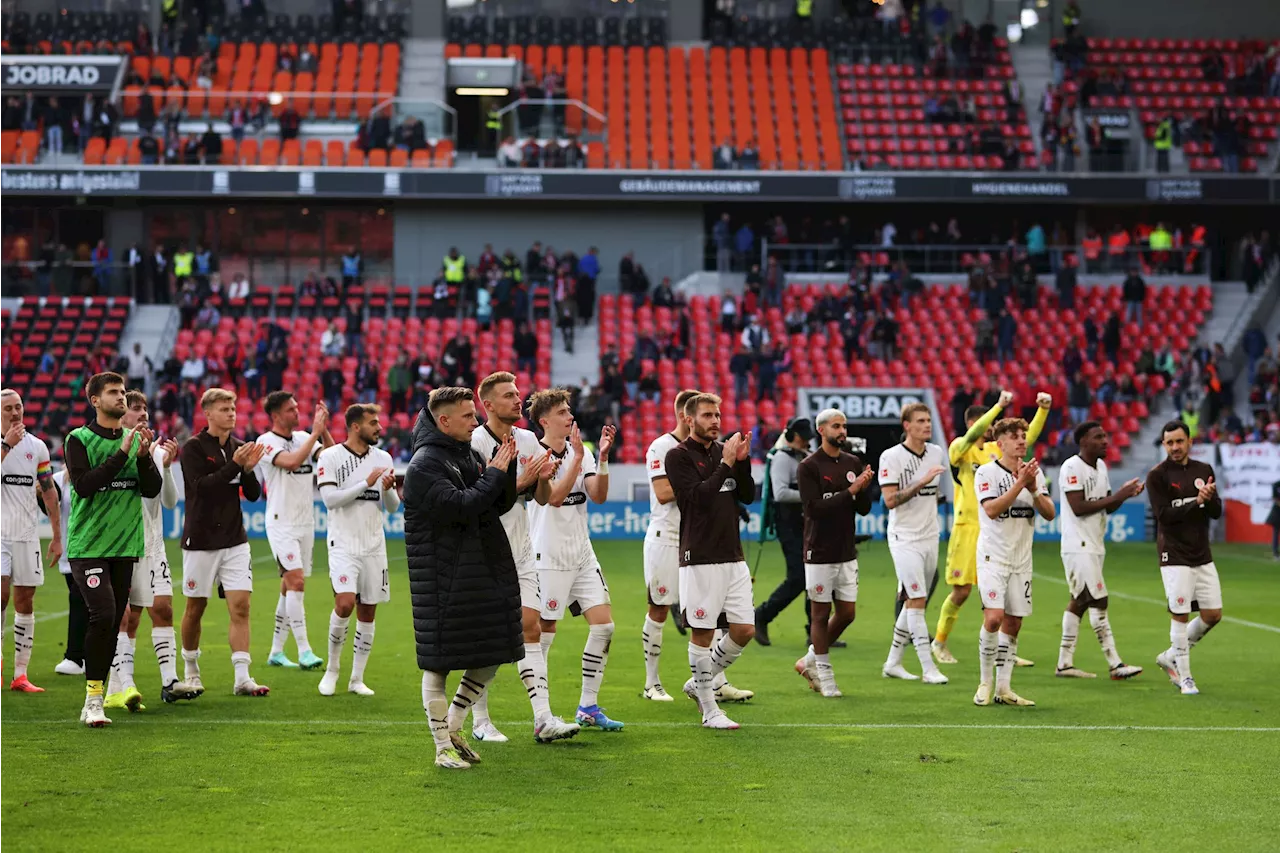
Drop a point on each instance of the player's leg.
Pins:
(6, 585)
(792, 585)
(912, 566)
(1017, 606)
(819, 582)
(28, 574)
(991, 583)
(662, 584)
(1180, 590)
(99, 581)
(470, 688)
(199, 568)
(236, 576)
(295, 580)
(1208, 595)
(344, 604)
(164, 643)
(121, 690)
(739, 613)
(701, 595)
(72, 662)
(1079, 590)
(436, 707)
(592, 594)
(363, 647)
(961, 574)
(280, 633)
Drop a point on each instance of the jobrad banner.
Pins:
(630, 520)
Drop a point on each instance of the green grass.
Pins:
(890, 766)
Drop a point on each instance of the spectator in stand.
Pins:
(398, 381)
(722, 237)
(1066, 281)
(331, 383)
(588, 272)
(526, 348)
(885, 332)
(1006, 331)
(192, 368)
(749, 157)
(1134, 291)
(290, 123)
(352, 270)
(211, 144)
(1079, 399)
(1028, 287)
(148, 149)
(1037, 248)
(1255, 346)
(740, 367)
(333, 343)
(755, 337)
(1090, 339)
(725, 156)
(767, 374)
(366, 381)
(1111, 338)
(744, 241)
(663, 295)
(531, 154)
(510, 154)
(984, 338)
(456, 362)
(101, 258)
(650, 390)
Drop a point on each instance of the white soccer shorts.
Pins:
(1084, 575)
(1186, 584)
(150, 578)
(1004, 587)
(527, 573)
(662, 566)
(710, 589)
(202, 571)
(827, 581)
(366, 576)
(558, 590)
(293, 547)
(916, 564)
(22, 563)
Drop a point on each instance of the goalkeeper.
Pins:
(967, 453)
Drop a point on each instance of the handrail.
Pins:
(453, 114)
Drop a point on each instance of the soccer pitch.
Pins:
(1098, 765)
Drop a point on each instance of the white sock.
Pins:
(1070, 633)
(1181, 648)
(986, 656)
(436, 708)
(162, 640)
(1196, 631)
(825, 672)
(240, 662)
(470, 688)
(700, 666)
(24, 637)
(337, 640)
(901, 637)
(1004, 661)
(281, 632)
(1102, 628)
(363, 645)
(652, 636)
(480, 709)
(190, 664)
(595, 655)
(723, 654)
(298, 620)
(126, 661)
(547, 638)
(533, 672)
(920, 638)
(114, 681)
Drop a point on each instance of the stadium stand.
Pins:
(924, 358)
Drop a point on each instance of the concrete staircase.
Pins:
(568, 368)
(1034, 68)
(422, 80)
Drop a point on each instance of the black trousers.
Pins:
(792, 585)
(104, 585)
(77, 622)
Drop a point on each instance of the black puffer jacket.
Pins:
(462, 577)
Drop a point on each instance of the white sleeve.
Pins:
(323, 464)
(983, 487)
(890, 468)
(168, 485)
(655, 463)
(274, 444)
(588, 465)
(1042, 485)
(481, 443)
(1069, 479)
(42, 452)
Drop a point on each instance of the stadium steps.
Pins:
(567, 368)
(422, 79)
(1032, 64)
(153, 326)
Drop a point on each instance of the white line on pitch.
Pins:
(45, 617)
(691, 724)
(1161, 603)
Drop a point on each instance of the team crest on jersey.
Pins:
(956, 573)
(1199, 484)
(700, 613)
(1099, 585)
(884, 472)
(915, 587)
(191, 584)
(288, 557)
(553, 604)
(1181, 600)
(655, 464)
(991, 595)
(818, 588)
(662, 590)
(850, 476)
(342, 578)
(1073, 480)
(321, 471)
(985, 487)
(30, 457)
(92, 581)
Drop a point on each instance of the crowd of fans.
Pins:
(66, 123)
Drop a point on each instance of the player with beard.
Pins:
(501, 400)
(152, 587)
(833, 488)
(286, 472)
(709, 478)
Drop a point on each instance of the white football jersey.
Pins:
(1005, 539)
(290, 494)
(515, 520)
(1083, 535)
(664, 517)
(64, 500)
(917, 519)
(355, 529)
(153, 510)
(21, 469)
(559, 533)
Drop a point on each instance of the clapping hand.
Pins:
(1132, 488)
(389, 480)
(1027, 472)
(248, 455)
(375, 475)
(730, 452)
(744, 447)
(1207, 491)
(606, 440)
(170, 448)
(506, 452)
(145, 437)
(862, 480)
(320, 422)
(575, 440)
(932, 474)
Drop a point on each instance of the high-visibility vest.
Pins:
(1161, 240)
(169, 10)
(455, 269)
(1117, 243)
(182, 263)
(1092, 248)
(494, 121)
(804, 8)
(1164, 135)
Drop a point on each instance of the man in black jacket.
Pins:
(459, 553)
